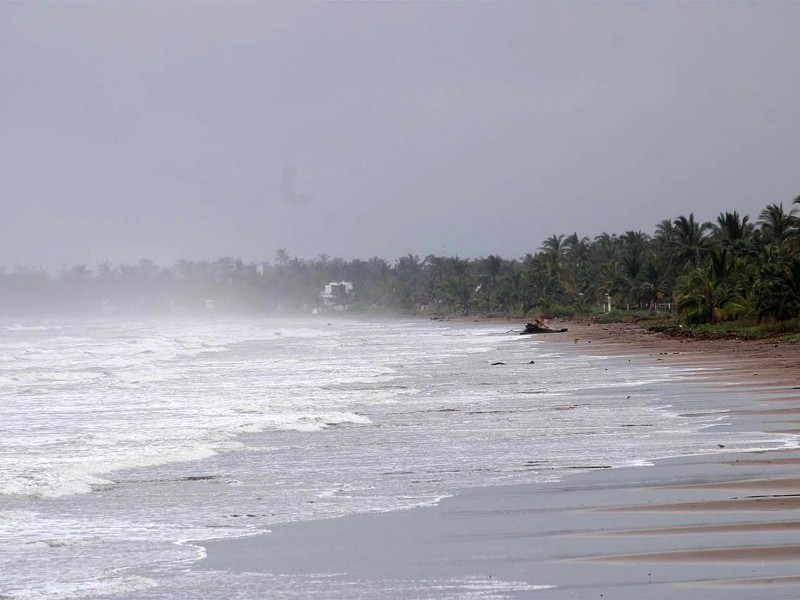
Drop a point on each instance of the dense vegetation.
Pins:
(705, 272)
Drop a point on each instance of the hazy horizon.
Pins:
(203, 130)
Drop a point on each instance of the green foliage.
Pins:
(615, 316)
(727, 331)
(734, 277)
(777, 289)
(715, 291)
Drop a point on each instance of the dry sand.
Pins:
(713, 526)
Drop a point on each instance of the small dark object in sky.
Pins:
(288, 193)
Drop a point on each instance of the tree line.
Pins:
(705, 272)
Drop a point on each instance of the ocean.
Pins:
(124, 441)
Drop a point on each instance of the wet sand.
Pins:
(719, 525)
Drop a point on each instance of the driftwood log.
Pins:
(540, 326)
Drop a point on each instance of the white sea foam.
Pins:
(119, 438)
(106, 586)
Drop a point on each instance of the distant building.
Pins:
(336, 295)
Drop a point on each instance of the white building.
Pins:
(336, 294)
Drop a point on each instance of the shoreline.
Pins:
(697, 526)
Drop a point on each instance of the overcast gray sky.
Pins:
(201, 130)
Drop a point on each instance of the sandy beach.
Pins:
(719, 525)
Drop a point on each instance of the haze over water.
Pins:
(137, 134)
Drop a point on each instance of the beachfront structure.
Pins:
(336, 294)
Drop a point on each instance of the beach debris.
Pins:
(539, 326)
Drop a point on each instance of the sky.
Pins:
(160, 130)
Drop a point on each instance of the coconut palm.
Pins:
(706, 294)
(777, 225)
(459, 284)
(542, 290)
(410, 279)
(554, 250)
(689, 241)
(606, 247)
(282, 257)
(733, 231)
(510, 289)
(777, 289)
(654, 283)
(612, 280)
(664, 232)
(493, 266)
(634, 244)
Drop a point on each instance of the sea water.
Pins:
(123, 441)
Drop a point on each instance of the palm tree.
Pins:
(706, 294)
(606, 246)
(554, 250)
(410, 279)
(578, 267)
(409, 267)
(459, 284)
(689, 241)
(654, 283)
(489, 270)
(634, 245)
(577, 247)
(435, 269)
(282, 257)
(493, 265)
(378, 267)
(664, 232)
(733, 231)
(510, 291)
(541, 289)
(776, 224)
(612, 280)
(777, 289)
